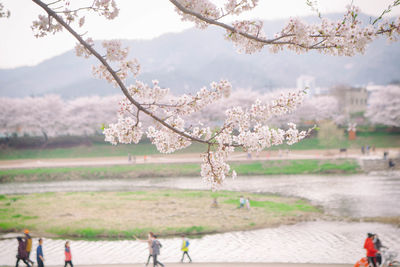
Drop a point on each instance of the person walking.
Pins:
(155, 246)
(28, 240)
(248, 203)
(149, 242)
(242, 201)
(39, 254)
(391, 164)
(68, 255)
(371, 251)
(378, 247)
(22, 254)
(185, 248)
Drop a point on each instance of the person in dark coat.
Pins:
(156, 245)
(378, 246)
(22, 253)
(39, 254)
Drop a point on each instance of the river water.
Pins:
(311, 242)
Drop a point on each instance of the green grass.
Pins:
(93, 151)
(304, 166)
(101, 149)
(271, 167)
(167, 212)
(278, 207)
(95, 233)
(378, 139)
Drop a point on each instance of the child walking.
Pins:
(68, 255)
(185, 248)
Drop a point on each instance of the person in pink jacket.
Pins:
(68, 255)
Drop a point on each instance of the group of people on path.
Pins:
(373, 245)
(244, 202)
(154, 246)
(25, 248)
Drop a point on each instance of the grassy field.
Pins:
(167, 212)
(307, 166)
(107, 150)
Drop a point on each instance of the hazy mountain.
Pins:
(189, 60)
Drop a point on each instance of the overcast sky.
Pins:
(138, 19)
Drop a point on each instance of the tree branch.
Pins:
(122, 86)
(274, 41)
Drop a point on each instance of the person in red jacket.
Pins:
(371, 250)
(68, 255)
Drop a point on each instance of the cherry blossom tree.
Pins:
(242, 127)
(86, 115)
(32, 115)
(52, 116)
(384, 106)
(313, 109)
(9, 110)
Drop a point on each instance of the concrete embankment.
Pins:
(375, 164)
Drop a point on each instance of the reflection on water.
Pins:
(312, 242)
(353, 195)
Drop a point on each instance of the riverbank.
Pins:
(95, 147)
(166, 212)
(256, 167)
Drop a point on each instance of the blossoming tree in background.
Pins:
(52, 116)
(246, 128)
(384, 106)
(33, 115)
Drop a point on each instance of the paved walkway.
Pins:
(187, 158)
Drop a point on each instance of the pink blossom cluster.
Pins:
(107, 8)
(242, 128)
(71, 14)
(166, 140)
(126, 131)
(114, 53)
(188, 104)
(44, 25)
(205, 8)
(345, 37)
(81, 51)
(214, 168)
(245, 44)
(236, 7)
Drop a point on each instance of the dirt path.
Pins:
(186, 158)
